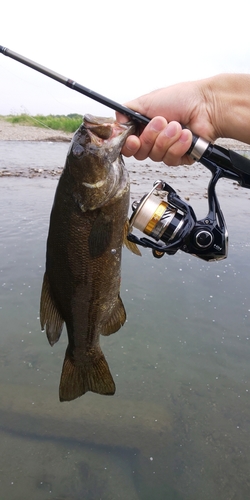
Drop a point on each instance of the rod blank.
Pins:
(75, 86)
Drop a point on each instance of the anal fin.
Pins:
(116, 319)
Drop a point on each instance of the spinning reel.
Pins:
(172, 223)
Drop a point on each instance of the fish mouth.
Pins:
(102, 129)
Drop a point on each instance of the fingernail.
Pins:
(157, 125)
(132, 144)
(171, 130)
(185, 136)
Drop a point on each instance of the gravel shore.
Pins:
(14, 132)
(191, 180)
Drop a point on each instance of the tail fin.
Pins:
(93, 376)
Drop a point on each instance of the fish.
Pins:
(88, 227)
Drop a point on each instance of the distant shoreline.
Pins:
(16, 132)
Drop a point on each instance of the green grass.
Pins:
(67, 123)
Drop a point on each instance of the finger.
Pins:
(121, 118)
(176, 154)
(140, 105)
(131, 146)
(149, 136)
(166, 138)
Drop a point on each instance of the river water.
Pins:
(178, 426)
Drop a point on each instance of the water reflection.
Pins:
(177, 427)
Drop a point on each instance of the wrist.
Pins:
(229, 101)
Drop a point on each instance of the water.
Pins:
(179, 423)
(24, 154)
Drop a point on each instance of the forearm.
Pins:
(228, 103)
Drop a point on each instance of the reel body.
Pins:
(172, 224)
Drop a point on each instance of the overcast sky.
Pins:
(119, 49)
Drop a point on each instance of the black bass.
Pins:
(88, 225)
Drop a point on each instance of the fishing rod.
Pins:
(200, 149)
(75, 86)
(172, 223)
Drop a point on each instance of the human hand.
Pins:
(163, 139)
(160, 141)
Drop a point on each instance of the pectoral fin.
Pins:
(116, 320)
(129, 244)
(49, 315)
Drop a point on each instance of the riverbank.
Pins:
(33, 152)
(16, 132)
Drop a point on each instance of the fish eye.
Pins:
(77, 150)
